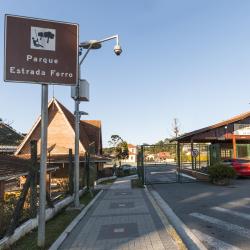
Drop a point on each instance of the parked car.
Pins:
(241, 166)
(126, 167)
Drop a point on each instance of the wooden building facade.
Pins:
(61, 138)
(227, 139)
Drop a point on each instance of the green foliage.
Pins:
(219, 171)
(108, 151)
(126, 172)
(7, 209)
(160, 147)
(54, 227)
(121, 151)
(119, 148)
(8, 136)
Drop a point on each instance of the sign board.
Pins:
(242, 129)
(195, 152)
(40, 51)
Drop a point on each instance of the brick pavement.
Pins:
(122, 218)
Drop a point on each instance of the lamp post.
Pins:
(92, 44)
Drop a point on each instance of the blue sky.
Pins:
(185, 59)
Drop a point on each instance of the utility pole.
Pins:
(176, 127)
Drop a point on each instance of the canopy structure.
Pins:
(227, 134)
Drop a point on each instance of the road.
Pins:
(163, 173)
(219, 216)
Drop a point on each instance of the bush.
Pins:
(7, 209)
(221, 174)
(125, 172)
(119, 172)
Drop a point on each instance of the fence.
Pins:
(19, 202)
(169, 163)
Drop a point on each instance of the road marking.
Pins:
(244, 203)
(163, 172)
(228, 211)
(214, 243)
(119, 230)
(242, 231)
(188, 176)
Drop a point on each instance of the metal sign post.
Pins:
(43, 167)
(41, 51)
(76, 172)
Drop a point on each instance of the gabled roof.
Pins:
(217, 125)
(9, 136)
(84, 140)
(88, 129)
(93, 130)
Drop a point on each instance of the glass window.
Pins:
(226, 153)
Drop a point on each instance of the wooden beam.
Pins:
(234, 147)
(192, 158)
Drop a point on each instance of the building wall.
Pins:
(60, 135)
(132, 155)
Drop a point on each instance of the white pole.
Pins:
(43, 167)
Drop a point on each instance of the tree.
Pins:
(160, 143)
(176, 127)
(120, 148)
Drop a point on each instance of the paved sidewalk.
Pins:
(122, 218)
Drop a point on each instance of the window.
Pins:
(226, 153)
(242, 151)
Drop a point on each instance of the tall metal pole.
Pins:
(77, 117)
(77, 121)
(43, 167)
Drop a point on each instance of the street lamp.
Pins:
(92, 44)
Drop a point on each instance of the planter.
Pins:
(219, 174)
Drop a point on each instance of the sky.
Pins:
(184, 59)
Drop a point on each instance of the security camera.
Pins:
(117, 49)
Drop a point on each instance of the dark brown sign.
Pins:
(40, 51)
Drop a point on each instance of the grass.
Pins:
(54, 227)
(136, 183)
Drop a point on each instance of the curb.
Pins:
(72, 225)
(168, 227)
(99, 181)
(188, 238)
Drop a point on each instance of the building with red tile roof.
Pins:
(61, 134)
(61, 138)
